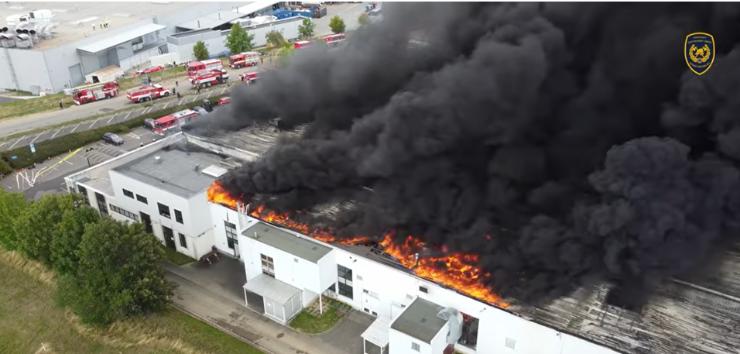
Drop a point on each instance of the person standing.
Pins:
(61, 104)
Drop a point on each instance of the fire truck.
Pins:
(248, 77)
(301, 44)
(244, 59)
(147, 93)
(94, 92)
(170, 121)
(213, 77)
(334, 39)
(199, 67)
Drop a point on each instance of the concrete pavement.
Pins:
(213, 294)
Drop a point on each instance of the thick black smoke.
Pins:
(566, 143)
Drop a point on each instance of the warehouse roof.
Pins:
(287, 242)
(420, 320)
(116, 39)
(175, 171)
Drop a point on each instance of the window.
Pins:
(137, 44)
(83, 191)
(424, 289)
(231, 239)
(268, 265)
(124, 212)
(469, 337)
(128, 193)
(178, 216)
(102, 205)
(183, 242)
(164, 210)
(344, 282)
(142, 199)
(415, 347)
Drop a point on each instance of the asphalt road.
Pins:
(48, 176)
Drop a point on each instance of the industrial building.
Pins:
(53, 46)
(287, 270)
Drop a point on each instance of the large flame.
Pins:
(460, 271)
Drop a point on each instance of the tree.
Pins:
(275, 40)
(119, 274)
(336, 24)
(200, 51)
(37, 225)
(239, 40)
(65, 245)
(12, 205)
(306, 29)
(364, 19)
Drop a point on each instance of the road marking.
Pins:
(93, 123)
(111, 118)
(56, 132)
(165, 106)
(126, 117)
(75, 128)
(3, 143)
(196, 97)
(48, 168)
(224, 90)
(37, 136)
(146, 110)
(17, 141)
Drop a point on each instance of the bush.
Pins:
(336, 24)
(12, 205)
(5, 168)
(38, 225)
(66, 242)
(200, 51)
(119, 274)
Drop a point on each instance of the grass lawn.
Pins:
(16, 108)
(31, 321)
(175, 257)
(308, 322)
(166, 74)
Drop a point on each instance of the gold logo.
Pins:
(699, 52)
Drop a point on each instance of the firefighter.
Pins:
(61, 104)
(179, 96)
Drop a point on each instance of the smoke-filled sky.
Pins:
(572, 135)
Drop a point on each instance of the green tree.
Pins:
(275, 40)
(306, 29)
(12, 206)
(119, 274)
(37, 225)
(65, 245)
(336, 24)
(200, 51)
(239, 40)
(364, 19)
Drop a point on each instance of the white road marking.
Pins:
(17, 141)
(126, 117)
(165, 106)
(75, 128)
(93, 123)
(146, 110)
(111, 118)
(56, 132)
(37, 136)
(3, 143)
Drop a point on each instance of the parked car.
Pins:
(150, 70)
(202, 111)
(112, 138)
(223, 100)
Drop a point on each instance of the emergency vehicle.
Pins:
(210, 78)
(244, 59)
(334, 39)
(94, 92)
(248, 77)
(170, 121)
(147, 93)
(223, 100)
(301, 44)
(199, 67)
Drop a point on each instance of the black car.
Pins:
(112, 139)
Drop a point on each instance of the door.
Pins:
(75, 75)
(169, 237)
(370, 302)
(147, 222)
(255, 302)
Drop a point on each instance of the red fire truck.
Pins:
(170, 121)
(248, 77)
(244, 59)
(210, 78)
(334, 39)
(199, 67)
(147, 93)
(301, 44)
(94, 92)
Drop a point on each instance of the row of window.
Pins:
(124, 212)
(164, 210)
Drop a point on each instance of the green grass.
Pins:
(313, 324)
(30, 320)
(166, 74)
(175, 257)
(17, 108)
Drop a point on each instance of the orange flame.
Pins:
(459, 271)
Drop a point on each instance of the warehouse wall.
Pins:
(30, 70)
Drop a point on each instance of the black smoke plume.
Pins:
(566, 143)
